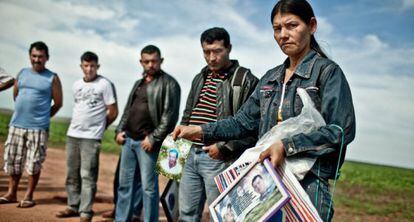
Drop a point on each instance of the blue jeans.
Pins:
(197, 184)
(318, 191)
(82, 161)
(319, 194)
(138, 183)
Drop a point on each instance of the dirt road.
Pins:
(50, 194)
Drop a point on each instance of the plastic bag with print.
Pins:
(307, 121)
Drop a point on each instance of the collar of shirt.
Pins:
(226, 72)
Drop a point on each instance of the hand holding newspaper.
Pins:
(293, 169)
(307, 121)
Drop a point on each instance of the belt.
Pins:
(197, 148)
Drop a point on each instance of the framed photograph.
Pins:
(169, 201)
(172, 157)
(256, 195)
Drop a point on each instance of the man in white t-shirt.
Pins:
(95, 108)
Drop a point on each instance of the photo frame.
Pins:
(172, 157)
(169, 200)
(256, 195)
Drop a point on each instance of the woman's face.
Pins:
(292, 34)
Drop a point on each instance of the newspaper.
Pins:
(299, 207)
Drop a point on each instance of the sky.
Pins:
(371, 40)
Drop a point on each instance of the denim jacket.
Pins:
(328, 88)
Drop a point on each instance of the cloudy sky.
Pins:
(371, 40)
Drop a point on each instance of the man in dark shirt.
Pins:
(150, 114)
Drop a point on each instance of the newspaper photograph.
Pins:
(255, 196)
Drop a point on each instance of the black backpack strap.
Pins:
(236, 83)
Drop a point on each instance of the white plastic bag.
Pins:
(307, 121)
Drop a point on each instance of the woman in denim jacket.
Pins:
(275, 100)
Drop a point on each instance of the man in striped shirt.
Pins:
(212, 97)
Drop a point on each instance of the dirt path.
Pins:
(50, 194)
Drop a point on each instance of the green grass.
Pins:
(376, 191)
(4, 122)
(57, 134)
(364, 192)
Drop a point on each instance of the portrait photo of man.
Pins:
(259, 186)
(172, 158)
(171, 164)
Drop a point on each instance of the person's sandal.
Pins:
(5, 200)
(26, 204)
(85, 219)
(67, 213)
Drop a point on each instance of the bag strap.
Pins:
(236, 83)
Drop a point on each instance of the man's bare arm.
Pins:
(5, 85)
(111, 114)
(57, 96)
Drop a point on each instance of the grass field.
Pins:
(368, 192)
(364, 192)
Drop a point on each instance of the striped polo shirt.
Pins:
(205, 110)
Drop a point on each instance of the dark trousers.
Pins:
(116, 180)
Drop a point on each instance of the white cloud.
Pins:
(325, 28)
(381, 78)
(241, 26)
(371, 55)
(129, 24)
(83, 11)
(407, 4)
(384, 110)
(373, 43)
(66, 45)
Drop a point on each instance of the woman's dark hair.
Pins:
(304, 11)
